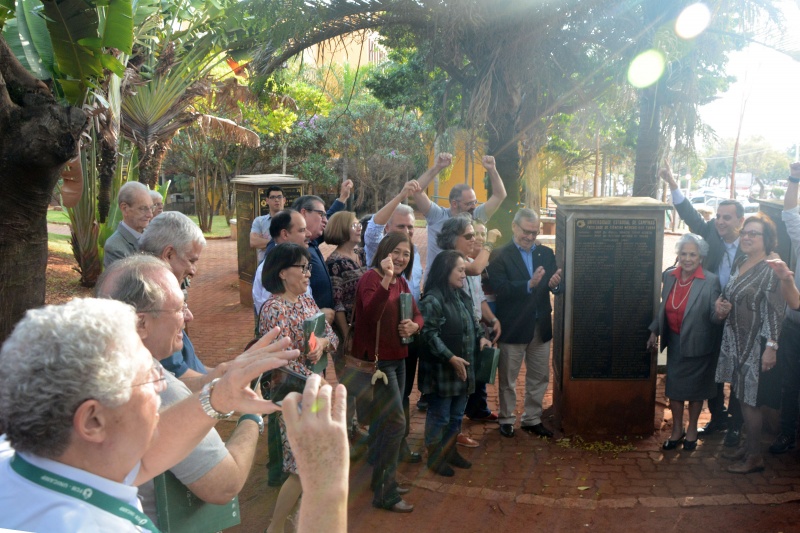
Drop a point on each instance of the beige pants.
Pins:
(536, 356)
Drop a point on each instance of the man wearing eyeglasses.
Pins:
(722, 236)
(259, 232)
(462, 200)
(313, 210)
(523, 275)
(137, 209)
(214, 471)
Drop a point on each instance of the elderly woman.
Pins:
(752, 306)
(286, 274)
(346, 265)
(686, 323)
(379, 330)
(451, 337)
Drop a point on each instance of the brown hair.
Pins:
(770, 236)
(337, 231)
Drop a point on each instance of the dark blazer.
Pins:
(707, 230)
(516, 308)
(700, 326)
(122, 243)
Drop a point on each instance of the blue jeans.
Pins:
(390, 426)
(443, 421)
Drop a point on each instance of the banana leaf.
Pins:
(6, 11)
(35, 39)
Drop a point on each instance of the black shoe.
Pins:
(732, 437)
(690, 445)
(507, 430)
(457, 460)
(407, 456)
(538, 430)
(782, 444)
(672, 444)
(711, 427)
(422, 405)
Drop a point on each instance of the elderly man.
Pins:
(173, 237)
(523, 275)
(259, 232)
(722, 236)
(158, 203)
(137, 210)
(83, 434)
(313, 210)
(213, 471)
(462, 200)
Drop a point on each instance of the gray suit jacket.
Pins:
(122, 243)
(700, 326)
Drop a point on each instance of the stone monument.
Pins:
(604, 376)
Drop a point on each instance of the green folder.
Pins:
(315, 325)
(180, 511)
(486, 364)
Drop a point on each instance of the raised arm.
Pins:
(790, 198)
(442, 161)
(498, 189)
(383, 216)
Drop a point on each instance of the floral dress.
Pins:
(345, 274)
(289, 317)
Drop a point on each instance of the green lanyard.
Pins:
(81, 492)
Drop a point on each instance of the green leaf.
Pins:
(70, 21)
(6, 11)
(112, 63)
(584, 488)
(118, 32)
(35, 39)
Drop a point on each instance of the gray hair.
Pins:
(155, 195)
(452, 229)
(128, 191)
(692, 238)
(132, 280)
(527, 214)
(170, 228)
(457, 191)
(307, 202)
(403, 210)
(57, 357)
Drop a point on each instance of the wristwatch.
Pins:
(258, 419)
(773, 345)
(205, 401)
(794, 180)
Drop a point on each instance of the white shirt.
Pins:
(133, 231)
(436, 217)
(373, 237)
(30, 507)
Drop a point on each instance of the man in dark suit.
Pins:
(722, 236)
(523, 274)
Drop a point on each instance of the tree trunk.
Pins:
(37, 137)
(502, 144)
(645, 176)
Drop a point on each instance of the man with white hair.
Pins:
(158, 203)
(214, 471)
(137, 210)
(80, 409)
(176, 239)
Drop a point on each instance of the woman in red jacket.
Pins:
(378, 333)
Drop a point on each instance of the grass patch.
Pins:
(219, 228)
(57, 217)
(59, 244)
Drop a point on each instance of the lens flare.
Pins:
(693, 21)
(646, 68)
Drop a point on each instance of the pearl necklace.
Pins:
(676, 307)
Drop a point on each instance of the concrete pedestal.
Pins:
(605, 378)
(251, 202)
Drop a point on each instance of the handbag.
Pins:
(360, 365)
(486, 365)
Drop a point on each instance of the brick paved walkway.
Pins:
(524, 470)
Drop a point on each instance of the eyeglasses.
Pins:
(528, 233)
(183, 310)
(473, 203)
(356, 225)
(752, 233)
(157, 378)
(279, 197)
(145, 209)
(321, 213)
(305, 268)
(469, 236)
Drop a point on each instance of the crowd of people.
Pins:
(101, 395)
